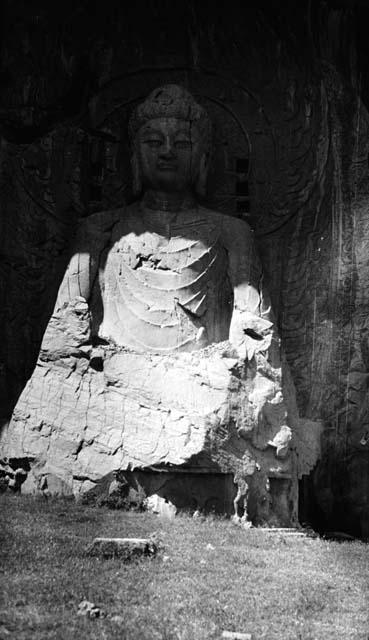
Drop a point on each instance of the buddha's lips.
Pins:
(167, 167)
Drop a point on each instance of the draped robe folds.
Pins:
(167, 289)
(161, 352)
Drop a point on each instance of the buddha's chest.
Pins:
(160, 290)
(167, 269)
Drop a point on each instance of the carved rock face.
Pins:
(190, 375)
(156, 396)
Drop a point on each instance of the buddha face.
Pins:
(170, 154)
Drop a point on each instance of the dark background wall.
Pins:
(286, 87)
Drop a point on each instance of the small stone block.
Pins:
(236, 635)
(125, 548)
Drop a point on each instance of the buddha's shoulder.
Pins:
(106, 226)
(224, 222)
(100, 223)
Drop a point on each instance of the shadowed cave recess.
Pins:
(287, 89)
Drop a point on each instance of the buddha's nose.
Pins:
(167, 150)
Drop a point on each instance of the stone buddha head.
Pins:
(170, 135)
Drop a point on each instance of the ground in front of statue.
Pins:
(208, 576)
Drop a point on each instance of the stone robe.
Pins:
(161, 353)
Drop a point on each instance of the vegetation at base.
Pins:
(209, 576)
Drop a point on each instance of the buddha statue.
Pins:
(178, 277)
(161, 354)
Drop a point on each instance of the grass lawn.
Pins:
(270, 585)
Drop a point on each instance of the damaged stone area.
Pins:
(162, 362)
(205, 430)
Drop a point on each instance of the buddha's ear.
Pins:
(202, 179)
(136, 174)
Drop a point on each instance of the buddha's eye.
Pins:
(182, 144)
(153, 143)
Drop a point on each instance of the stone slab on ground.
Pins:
(125, 548)
(236, 635)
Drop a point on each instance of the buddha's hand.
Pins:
(249, 333)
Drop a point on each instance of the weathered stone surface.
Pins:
(291, 158)
(125, 548)
(142, 411)
(162, 351)
(12, 476)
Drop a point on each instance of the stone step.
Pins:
(285, 530)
